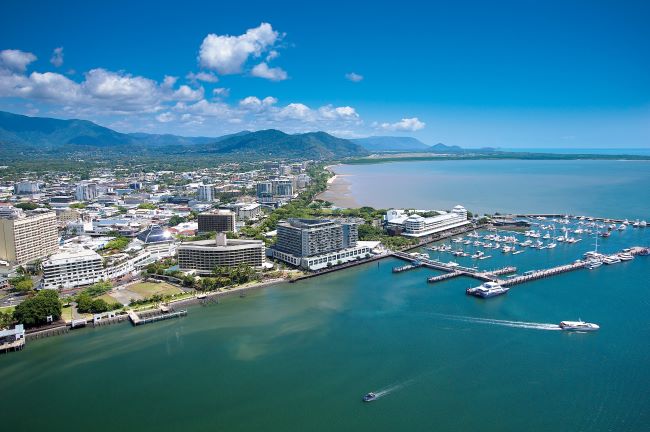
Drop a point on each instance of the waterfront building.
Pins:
(217, 221)
(27, 237)
(12, 339)
(158, 241)
(203, 256)
(317, 243)
(86, 191)
(72, 267)
(415, 225)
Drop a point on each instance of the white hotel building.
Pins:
(415, 225)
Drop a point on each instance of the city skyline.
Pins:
(507, 75)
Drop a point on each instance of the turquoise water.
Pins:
(300, 356)
(602, 151)
(597, 188)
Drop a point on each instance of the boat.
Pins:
(625, 256)
(578, 326)
(611, 260)
(201, 296)
(622, 227)
(452, 264)
(594, 264)
(643, 224)
(605, 234)
(478, 254)
(487, 290)
(551, 245)
(370, 397)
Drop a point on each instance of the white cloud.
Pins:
(221, 92)
(346, 112)
(405, 125)
(272, 55)
(227, 54)
(165, 117)
(16, 60)
(57, 57)
(263, 70)
(202, 76)
(256, 104)
(185, 93)
(354, 77)
(169, 81)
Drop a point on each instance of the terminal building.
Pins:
(204, 256)
(415, 225)
(317, 243)
(27, 237)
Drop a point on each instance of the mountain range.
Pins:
(23, 136)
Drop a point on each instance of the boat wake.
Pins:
(503, 323)
(392, 388)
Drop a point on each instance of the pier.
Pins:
(414, 265)
(155, 315)
(454, 271)
(541, 274)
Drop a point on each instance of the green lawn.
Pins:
(147, 289)
(108, 299)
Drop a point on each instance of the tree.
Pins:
(175, 220)
(27, 205)
(118, 243)
(6, 320)
(147, 206)
(24, 285)
(35, 310)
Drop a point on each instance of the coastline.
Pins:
(338, 190)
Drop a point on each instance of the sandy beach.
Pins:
(338, 191)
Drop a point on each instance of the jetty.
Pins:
(413, 265)
(455, 270)
(154, 315)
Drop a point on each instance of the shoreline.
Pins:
(338, 190)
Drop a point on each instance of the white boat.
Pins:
(622, 227)
(551, 245)
(611, 260)
(452, 264)
(578, 326)
(370, 397)
(643, 224)
(487, 290)
(478, 255)
(594, 264)
(625, 256)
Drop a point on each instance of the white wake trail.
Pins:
(503, 323)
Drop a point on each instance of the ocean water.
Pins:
(596, 188)
(600, 151)
(300, 356)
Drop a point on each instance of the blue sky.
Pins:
(471, 73)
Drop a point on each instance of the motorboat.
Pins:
(594, 264)
(578, 326)
(611, 260)
(370, 397)
(487, 290)
(625, 256)
(622, 227)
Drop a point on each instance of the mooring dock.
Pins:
(149, 316)
(453, 270)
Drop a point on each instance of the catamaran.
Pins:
(487, 290)
(578, 326)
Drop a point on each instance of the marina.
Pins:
(150, 316)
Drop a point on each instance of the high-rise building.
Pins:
(25, 238)
(86, 191)
(283, 188)
(206, 192)
(72, 268)
(218, 220)
(26, 188)
(205, 255)
(313, 243)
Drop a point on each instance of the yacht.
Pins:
(611, 260)
(622, 227)
(370, 397)
(625, 256)
(452, 264)
(487, 290)
(594, 264)
(506, 249)
(551, 245)
(478, 254)
(605, 234)
(578, 326)
(643, 224)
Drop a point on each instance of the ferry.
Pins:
(487, 290)
(578, 326)
(370, 397)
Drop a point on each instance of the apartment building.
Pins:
(203, 256)
(27, 237)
